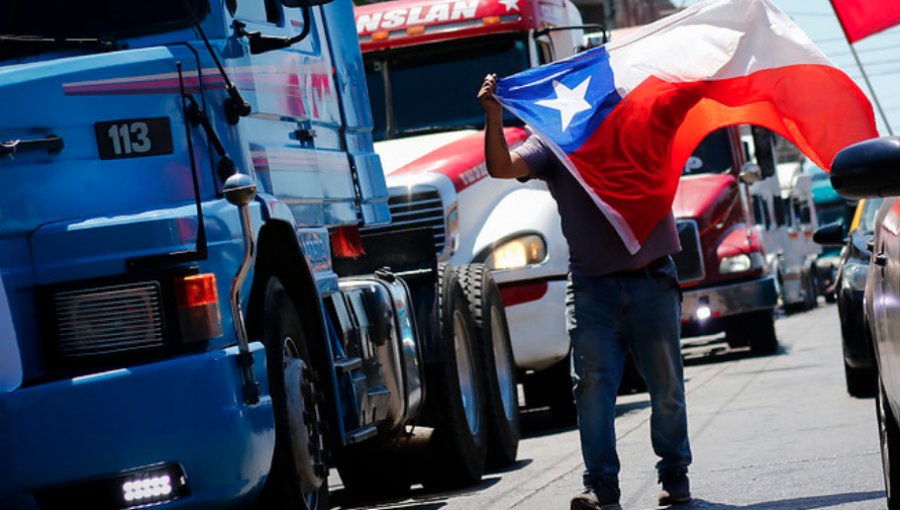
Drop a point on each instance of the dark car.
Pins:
(865, 170)
(849, 288)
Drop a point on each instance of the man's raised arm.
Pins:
(501, 163)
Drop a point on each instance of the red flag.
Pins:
(862, 18)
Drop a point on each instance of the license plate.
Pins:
(133, 138)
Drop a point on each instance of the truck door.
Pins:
(292, 140)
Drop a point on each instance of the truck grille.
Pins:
(414, 208)
(108, 320)
(689, 262)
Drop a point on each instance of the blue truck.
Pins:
(192, 311)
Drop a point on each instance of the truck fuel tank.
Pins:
(382, 333)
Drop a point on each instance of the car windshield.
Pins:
(870, 211)
(432, 87)
(29, 27)
(712, 156)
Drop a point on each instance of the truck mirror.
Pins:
(751, 173)
(868, 169)
(829, 235)
(763, 143)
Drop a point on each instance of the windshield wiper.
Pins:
(68, 42)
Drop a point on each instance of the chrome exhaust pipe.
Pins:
(240, 190)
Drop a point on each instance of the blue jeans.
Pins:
(608, 317)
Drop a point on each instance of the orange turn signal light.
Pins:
(380, 36)
(416, 30)
(491, 20)
(196, 290)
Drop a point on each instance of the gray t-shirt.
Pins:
(595, 249)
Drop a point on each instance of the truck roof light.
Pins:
(416, 30)
(380, 36)
(491, 20)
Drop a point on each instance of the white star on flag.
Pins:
(568, 101)
(511, 5)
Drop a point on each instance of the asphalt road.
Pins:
(768, 433)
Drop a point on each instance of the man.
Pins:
(617, 303)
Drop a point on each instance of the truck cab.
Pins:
(726, 280)
(424, 61)
(188, 317)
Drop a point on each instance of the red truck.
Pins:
(727, 284)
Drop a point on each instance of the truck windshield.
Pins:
(29, 27)
(432, 87)
(712, 156)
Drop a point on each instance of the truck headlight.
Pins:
(518, 252)
(741, 263)
(854, 276)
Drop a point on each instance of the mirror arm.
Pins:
(593, 26)
(262, 43)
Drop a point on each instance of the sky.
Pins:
(879, 53)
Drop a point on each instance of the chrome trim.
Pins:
(731, 299)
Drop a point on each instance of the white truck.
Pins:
(424, 62)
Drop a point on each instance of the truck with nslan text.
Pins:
(189, 317)
(424, 60)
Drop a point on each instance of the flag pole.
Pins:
(871, 90)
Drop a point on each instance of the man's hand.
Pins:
(486, 96)
(499, 161)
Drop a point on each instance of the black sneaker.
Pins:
(676, 488)
(601, 498)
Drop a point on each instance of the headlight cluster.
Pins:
(518, 252)
(854, 276)
(741, 263)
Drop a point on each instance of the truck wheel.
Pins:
(756, 329)
(458, 446)
(298, 474)
(498, 366)
(812, 289)
(889, 438)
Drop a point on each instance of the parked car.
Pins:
(864, 170)
(830, 208)
(850, 285)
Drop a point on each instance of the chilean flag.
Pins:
(625, 117)
(862, 18)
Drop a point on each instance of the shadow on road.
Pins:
(809, 503)
(716, 350)
(417, 498)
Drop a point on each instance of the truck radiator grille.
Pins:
(689, 262)
(108, 320)
(415, 208)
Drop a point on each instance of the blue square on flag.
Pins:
(564, 101)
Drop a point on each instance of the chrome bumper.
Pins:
(729, 299)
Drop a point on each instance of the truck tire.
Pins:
(298, 474)
(498, 366)
(455, 393)
(889, 439)
(756, 329)
(811, 289)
